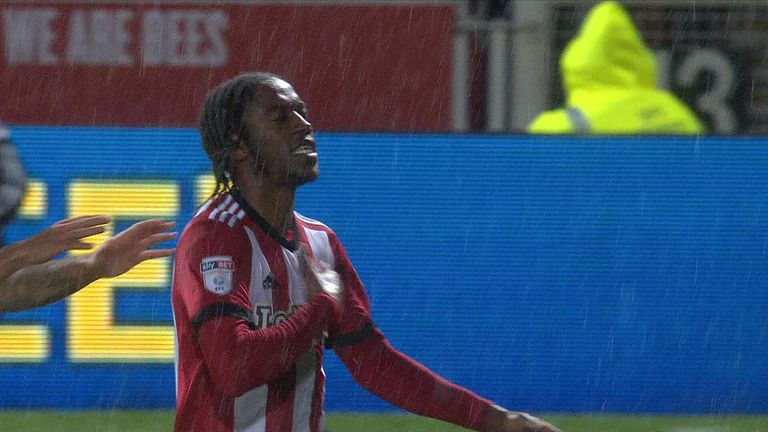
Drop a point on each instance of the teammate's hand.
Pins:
(320, 278)
(60, 237)
(131, 247)
(501, 420)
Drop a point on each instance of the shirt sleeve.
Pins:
(214, 279)
(402, 381)
(386, 372)
(355, 324)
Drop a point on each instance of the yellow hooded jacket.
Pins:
(609, 75)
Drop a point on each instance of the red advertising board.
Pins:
(359, 66)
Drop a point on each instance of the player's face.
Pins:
(278, 137)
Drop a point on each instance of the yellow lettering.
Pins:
(204, 185)
(22, 342)
(34, 205)
(93, 334)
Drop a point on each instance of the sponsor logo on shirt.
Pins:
(217, 274)
(266, 316)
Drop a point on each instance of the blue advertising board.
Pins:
(547, 274)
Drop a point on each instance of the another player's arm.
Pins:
(41, 284)
(30, 278)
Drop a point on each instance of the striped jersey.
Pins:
(249, 338)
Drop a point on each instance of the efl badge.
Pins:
(217, 274)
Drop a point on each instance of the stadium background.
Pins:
(620, 275)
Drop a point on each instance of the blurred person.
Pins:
(498, 8)
(30, 277)
(490, 9)
(12, 181)
(609, 78)
(259, 289)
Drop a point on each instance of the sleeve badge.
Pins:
(217, 274)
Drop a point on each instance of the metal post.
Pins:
(531, 61)
(496, 78)
(461, 81)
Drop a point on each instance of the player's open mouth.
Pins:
(305, 150)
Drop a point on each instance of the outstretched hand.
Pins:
(131, 247)
(68, 234)
(501, 420)
(320, 278)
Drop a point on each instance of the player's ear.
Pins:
(239, 152)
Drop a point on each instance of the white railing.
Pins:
(517, 66)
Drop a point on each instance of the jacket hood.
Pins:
(608, 51)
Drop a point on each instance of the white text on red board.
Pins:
(115, 37)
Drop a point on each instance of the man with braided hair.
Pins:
(259, 289)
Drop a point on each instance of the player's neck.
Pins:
(273, 203)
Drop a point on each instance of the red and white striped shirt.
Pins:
(249, 339)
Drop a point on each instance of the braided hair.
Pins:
(222, 116)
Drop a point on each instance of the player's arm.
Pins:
(388, 373)
(238, 355)
(30, 277)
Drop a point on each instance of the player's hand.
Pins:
(320, 278)
(68, 234)
(501, 420)
(131, 247)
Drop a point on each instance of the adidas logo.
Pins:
(269, 281)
